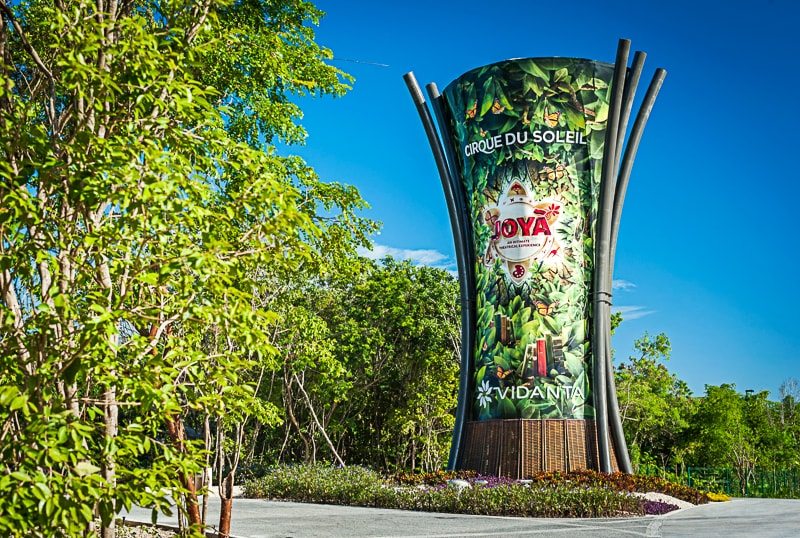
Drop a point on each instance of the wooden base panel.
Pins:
(520, 448)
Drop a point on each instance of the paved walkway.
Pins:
(253, 518)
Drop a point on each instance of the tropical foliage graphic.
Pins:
(534, 128)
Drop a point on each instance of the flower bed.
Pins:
(584, 494)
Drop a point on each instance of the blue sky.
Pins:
(708, 247)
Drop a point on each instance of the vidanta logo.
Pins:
(486, 393)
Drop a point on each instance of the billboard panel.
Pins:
(528, 136)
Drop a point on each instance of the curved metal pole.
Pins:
(601, 292)
(628, 96)
(469, 321)
(630, 154)
(458, 236)
(614, 418)
(617, 433)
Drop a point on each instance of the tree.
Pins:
(144, 210)
(789, 398)
(723, 437)
(654, 404)
(370, 369)
(769, 431)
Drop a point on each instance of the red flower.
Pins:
(553, 211)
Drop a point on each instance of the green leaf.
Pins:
(85, 468)
(18, 402)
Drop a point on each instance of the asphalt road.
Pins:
(253, 518)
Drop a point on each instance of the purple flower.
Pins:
(656, 508)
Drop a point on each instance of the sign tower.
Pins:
(530, 154)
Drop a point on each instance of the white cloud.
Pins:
(433, 258)
(624, 285)
(632, 312)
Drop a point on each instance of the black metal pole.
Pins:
(628, 96)
(465, 255)
(602, 293)
(630, 153)
(458, 235)
(617, 433)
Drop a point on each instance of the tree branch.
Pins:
(25, 43)
(316, 420)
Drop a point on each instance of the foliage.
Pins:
(369, 372)
(622, 482)
(319, 483)
(781, 483)
(719, 425)
(717, 497)
(431, 478)
(325, 484)
(654, 404)
(521, 501)
(666, 426)
(145, 216)
(657, 508)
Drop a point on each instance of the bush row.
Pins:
(356, 486)
(622, 482)
(615, 481)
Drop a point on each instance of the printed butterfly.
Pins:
(548, 173)
(551, 118)
(497, 108)
(472, 110)
(544, 309)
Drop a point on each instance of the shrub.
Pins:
(431, 478)
(361, 487)
(623, 482)
(317, 483)
(657, 508)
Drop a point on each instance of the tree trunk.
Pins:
(225, 510)
(178, 437)
(316, 421)
(207, 469)
(109, 465)
(226, 506)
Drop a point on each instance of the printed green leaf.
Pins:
(529, 411)
(573, 364)
(507, 408)
(561, 75)
(480, 375)
(501, 96)
(488, 97)
(552, 324)
(530, 67)
(502, 362)
(575, 120)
